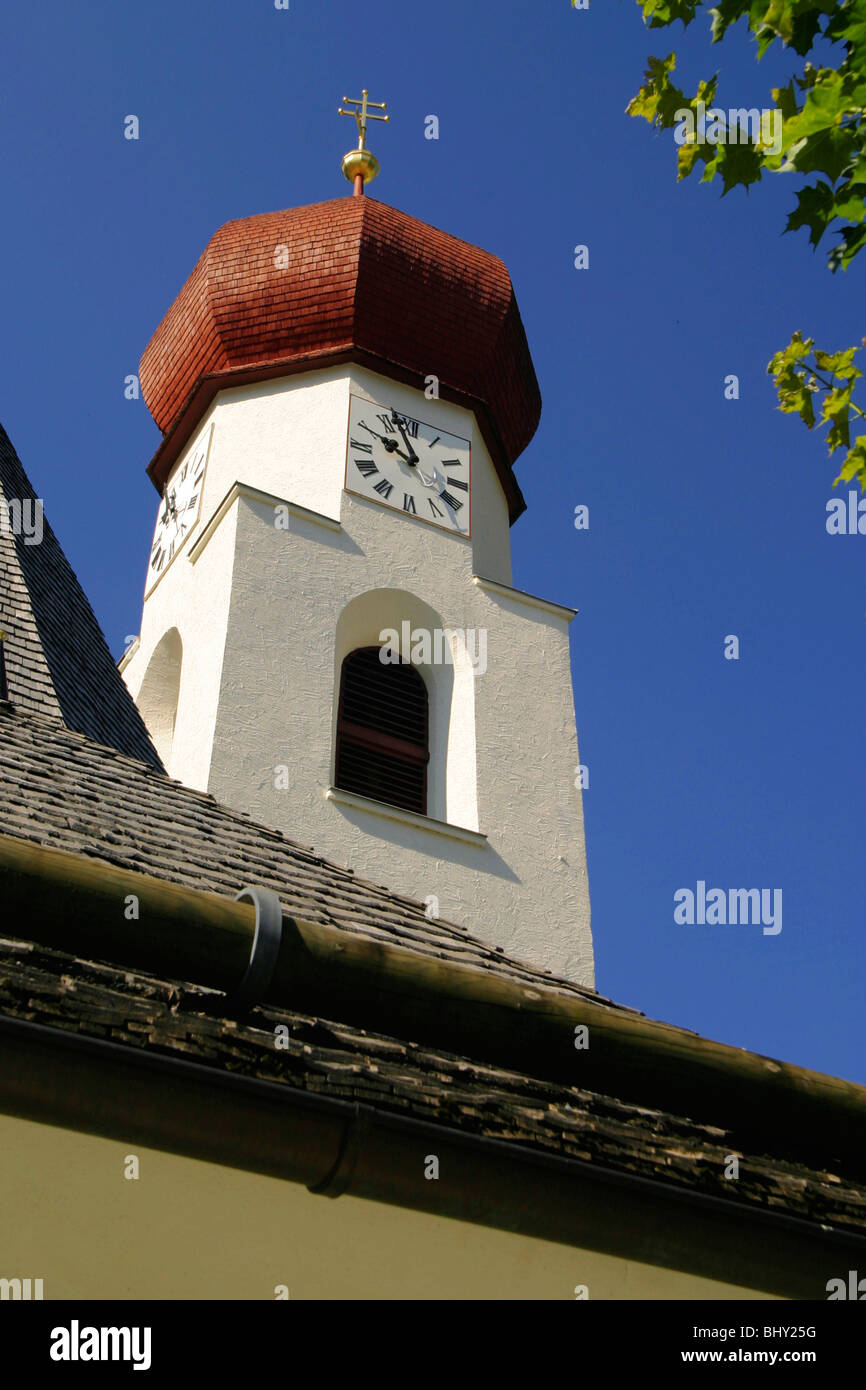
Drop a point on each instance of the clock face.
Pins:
(418, 469)
(178, 512)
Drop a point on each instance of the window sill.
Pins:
(381, 808)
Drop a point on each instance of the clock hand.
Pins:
(390, 444)
(434, 479)
(399, 423)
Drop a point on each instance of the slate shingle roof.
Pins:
(64, 791)
(57, 661)
(336, 1060)
(59, 789)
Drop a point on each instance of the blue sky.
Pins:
(707, 516)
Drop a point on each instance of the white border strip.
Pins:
(519, 596)
(255, 494)
(381, 808)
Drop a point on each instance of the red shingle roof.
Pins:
(362, 281)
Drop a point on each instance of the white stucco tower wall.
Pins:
(284, 573)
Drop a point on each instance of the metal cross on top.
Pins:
(360, 165)
(364, 114)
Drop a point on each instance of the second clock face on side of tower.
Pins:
(412, 467)
(179, 509)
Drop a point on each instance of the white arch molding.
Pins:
(452, 792)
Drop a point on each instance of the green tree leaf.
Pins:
(822, 111)
(855, 464)
(815, 210)
(659, 13)
(836, 412)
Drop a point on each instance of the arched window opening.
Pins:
(383, 731)
(159, 692)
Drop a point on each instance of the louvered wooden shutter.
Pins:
(382, 731)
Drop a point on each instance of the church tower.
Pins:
(331, 640)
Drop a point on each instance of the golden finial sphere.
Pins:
(360, 162)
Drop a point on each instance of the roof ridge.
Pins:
(57, 660)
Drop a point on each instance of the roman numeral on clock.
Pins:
(450, 501)
(452, 463)
(437, 511)
(366, 466)
(384, 488)
(457, 482)
(409, 503)
(410, 426)
(358, 444)
(387, 423)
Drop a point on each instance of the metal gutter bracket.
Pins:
(265, 949)
(339, 1177)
